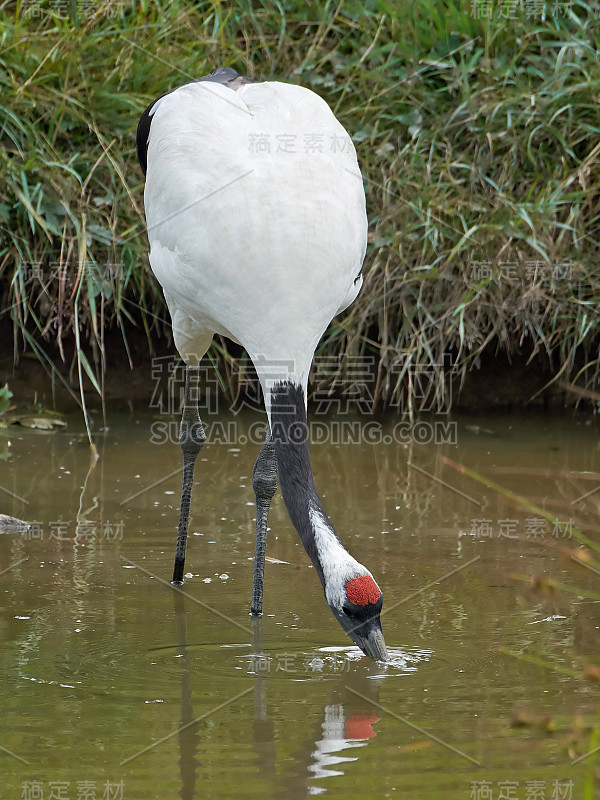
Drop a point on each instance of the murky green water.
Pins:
(115, 684)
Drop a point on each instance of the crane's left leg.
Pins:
(264, 481)
(191, 439)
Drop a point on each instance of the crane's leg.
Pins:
(264, 481)
(191, 439)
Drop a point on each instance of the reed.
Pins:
(478, 139)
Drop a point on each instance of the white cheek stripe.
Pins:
(337, 563)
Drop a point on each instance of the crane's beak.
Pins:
(369, 637)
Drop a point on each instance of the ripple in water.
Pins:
(330, 661)
(401, 660)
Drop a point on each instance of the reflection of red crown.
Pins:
(358, 726)
(362, 590)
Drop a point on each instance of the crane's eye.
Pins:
(347, 611)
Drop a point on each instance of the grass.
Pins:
(479, 144)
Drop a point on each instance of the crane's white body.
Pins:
(256, 220)
(257, 225)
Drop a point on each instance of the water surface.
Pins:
(112, 677)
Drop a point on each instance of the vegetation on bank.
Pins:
(477, 129)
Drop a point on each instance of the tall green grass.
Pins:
(478, 139)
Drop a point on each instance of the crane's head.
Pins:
(356, 604)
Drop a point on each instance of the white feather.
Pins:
(337, 563)
(263, 247)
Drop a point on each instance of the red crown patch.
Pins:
(362, 591)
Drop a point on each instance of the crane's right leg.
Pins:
(264, 481)
(191, 439)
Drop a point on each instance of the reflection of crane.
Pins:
(339, 733)
(257, 226)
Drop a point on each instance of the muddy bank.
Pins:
(136, 377)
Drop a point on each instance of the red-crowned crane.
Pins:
(256, 219)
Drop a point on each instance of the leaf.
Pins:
(88, 369)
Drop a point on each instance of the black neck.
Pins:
(289, 430)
